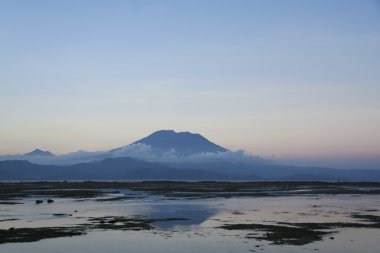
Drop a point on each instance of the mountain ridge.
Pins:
(125, 168)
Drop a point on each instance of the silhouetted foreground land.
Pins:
(204, 189)
(292, 233)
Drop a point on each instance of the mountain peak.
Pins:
(163, 132)
(184, 143)
(39, 152)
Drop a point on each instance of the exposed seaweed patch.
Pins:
(128, 223)
(136, 223)
(35, 234)
(61, 214)
(332, 225)
(366, 217)
(302, 233)
(8, 220)
(280, 234)
(10, 203)
(121, 223)
(119, 198)
(67, 193)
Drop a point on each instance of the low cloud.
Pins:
(66, 159)
(143, 152)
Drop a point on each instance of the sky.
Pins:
(292, 80)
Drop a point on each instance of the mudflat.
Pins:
(244, 216)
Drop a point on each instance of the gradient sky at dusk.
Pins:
(297, 80)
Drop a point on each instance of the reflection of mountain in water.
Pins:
(194, 213)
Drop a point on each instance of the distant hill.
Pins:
(310, 177)
(282, 172)
(39, 152)
(183, 143)
(126, 168)
(109, 169)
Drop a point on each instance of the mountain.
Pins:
(159, 146)
(182, 143)
(166, 154)
(39, 152)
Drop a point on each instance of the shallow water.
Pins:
(200, 232)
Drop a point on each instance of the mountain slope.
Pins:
(183, 143)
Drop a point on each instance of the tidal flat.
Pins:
(171, 216)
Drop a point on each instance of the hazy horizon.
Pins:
(296, 81)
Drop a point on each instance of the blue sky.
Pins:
(286, 79)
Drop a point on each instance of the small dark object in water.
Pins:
(332, 238)
(11, 228)
(50, 201)
(38, 201)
